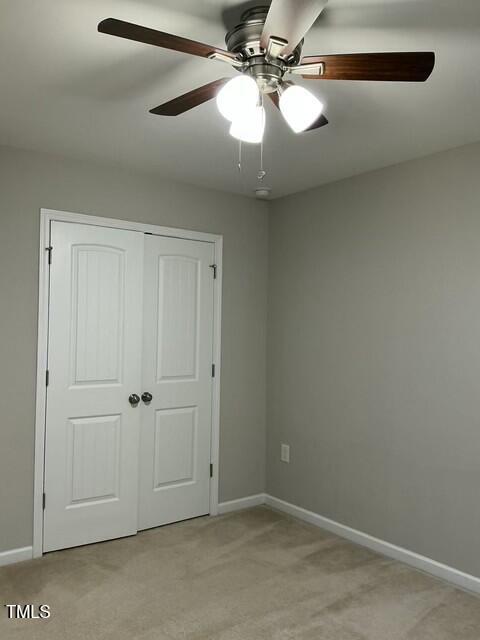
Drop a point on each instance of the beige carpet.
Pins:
(244, 576)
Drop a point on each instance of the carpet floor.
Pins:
(250, 575)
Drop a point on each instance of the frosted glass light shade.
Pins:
(239, 94)
(249, 125)
(299, 107)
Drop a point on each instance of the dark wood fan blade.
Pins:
(396, 67)
(190, 100)
(274, 97)
(290, 20)
(135, 32)
(320, 122)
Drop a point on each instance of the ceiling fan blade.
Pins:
(135, 32)
(275, 98)
(321, 121)
(190, 100)
(397, 67)
(290, 20)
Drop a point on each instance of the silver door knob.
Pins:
(134, 399)
(147, 397)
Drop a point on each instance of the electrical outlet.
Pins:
(285, 452)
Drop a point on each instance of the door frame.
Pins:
(46, 217)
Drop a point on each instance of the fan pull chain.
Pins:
(239, 155)
(262, 173)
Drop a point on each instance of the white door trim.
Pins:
(47, 216)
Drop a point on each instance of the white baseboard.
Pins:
(15, 555)
(454, 576)
(241, 503)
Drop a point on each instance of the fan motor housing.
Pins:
(244, 40)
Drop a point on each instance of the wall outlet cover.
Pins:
(285, 452)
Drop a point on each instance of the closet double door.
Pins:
(129, 395)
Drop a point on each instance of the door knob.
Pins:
(134, 399)
(147, 397)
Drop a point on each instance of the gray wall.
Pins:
(29, 181)
(374, 354)
(373, 348)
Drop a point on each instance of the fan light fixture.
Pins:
(299, 107)
(265, 48)
(239, 95)
(249, 125)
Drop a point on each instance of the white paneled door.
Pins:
(114, 462)
(177, 374)
(94, 362)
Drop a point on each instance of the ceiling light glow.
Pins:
(299, 107)
(238, 95)
(249, 125)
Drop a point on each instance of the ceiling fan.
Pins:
(266, 49)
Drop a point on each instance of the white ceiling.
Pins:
(67, 89)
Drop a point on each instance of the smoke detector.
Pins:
(262, 193)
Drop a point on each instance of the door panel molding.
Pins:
(46, 217)
(177, 359)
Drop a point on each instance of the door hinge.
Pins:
(47, 377)
(213, 370)
(49, 249)
(214, 267)
(43, 501)
(211, 471)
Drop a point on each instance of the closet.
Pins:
(128, 424)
